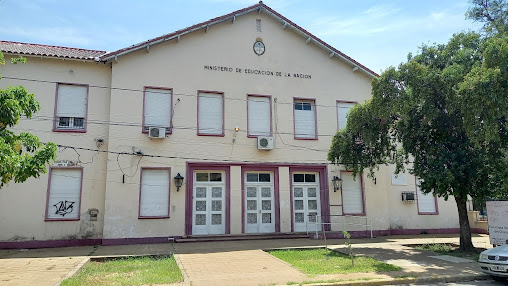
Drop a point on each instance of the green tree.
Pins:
(485, 88)
(21, 156)
(493, 13)
(416, 119)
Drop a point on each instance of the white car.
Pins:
(494, 262)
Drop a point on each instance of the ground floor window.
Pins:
(154, 193)
(352, 194)
(64, 193)
(427, 203)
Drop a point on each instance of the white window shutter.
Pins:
(154, 199)
(64, 194)
(71, 100)
(342, 110)
(426, 202)
(305, 122)
(210, 113)
(157, 108)
(352, 201)
(259, 116)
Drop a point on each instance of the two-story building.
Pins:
(221, 128)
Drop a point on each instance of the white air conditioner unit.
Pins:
(265, 143)
(408, 197)
(157, 132)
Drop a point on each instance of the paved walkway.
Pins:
(244, 263)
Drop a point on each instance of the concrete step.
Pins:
(232, 237)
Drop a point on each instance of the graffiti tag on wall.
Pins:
(64, 207)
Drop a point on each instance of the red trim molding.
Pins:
(223, 113)
(418, 205)
(263, 168)
(324, 192)
(313, 104)
(362, 187)
(271, 115)
(55, 129)
(189, 191)
(169, 193)
(337, 108)
(51, 168)
(170, 108)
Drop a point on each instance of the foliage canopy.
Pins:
(22, 156)
(443, 114)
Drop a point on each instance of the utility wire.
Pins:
(132, 124)
(181, 157)
(140, 90)
(200, 159)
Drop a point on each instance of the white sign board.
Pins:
(399, 179)
(497, 213)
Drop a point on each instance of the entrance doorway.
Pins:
(208, 204)
(259, 202)
(306, 201)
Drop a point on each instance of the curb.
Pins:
(398, 281)
(74, 270)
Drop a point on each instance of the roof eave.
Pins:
(258, 7)
(94, 59)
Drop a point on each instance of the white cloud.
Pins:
(386, 19)
(67, 35)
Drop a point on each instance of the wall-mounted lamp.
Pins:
(236, 131)
(178, 181)
(337, 183)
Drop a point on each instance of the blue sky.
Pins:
(378, 34)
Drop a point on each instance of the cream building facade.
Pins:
(245, 106)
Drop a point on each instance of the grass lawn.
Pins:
(127, 271)
(313, 262)
(449, 249)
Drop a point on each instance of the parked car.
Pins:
(494, 262)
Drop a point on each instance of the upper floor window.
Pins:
(157, 108)
(210, 113)
(305, 119)
(259, 116)
(71, 107)
(342, 111)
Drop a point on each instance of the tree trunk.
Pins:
(466, 244)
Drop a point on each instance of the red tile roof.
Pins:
(49, 51)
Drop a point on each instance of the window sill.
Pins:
(70, 130)
(61, 219)
(153, 217)
(256, 136)
(428, 213)
(214, 135)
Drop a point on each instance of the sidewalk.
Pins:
(244, 263)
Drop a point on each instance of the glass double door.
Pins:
(306, 202)
(259, 203)
(208, 203)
